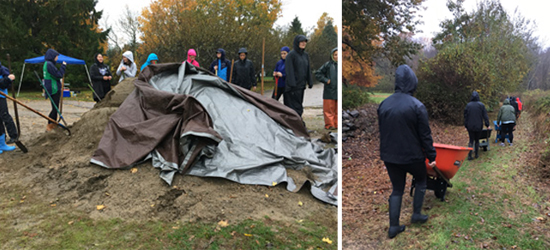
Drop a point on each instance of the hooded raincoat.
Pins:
(52, 81)
(243, 72)
(190, 53)
(224, 66)
(329, 71)
(97, 72)
(5, 82)
(5, 117)
(507, 113)
(151, 57)
(405, 134)
(475, 114)
(131, 68)
(297, 67)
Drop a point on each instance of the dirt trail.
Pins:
(57, 169)
(366, 188)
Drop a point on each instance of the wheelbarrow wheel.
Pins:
(441, 191)
(485, 148)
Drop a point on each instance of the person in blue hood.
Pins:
(474, 116)
(298, 74)
(6, 80)
(52, 83)
(405, 143)
(221, 66)
(151, 59)
(279, 73)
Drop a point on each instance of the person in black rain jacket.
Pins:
(101, 78)
(298, 74)
(474, 116)
(405, 143)
(243, 71)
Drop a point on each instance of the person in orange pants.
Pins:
(328, 74)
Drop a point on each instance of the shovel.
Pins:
(17, 142)
(38, 113)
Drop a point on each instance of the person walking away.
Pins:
(6, 121)
(405, 143)
(298, 74)
(191, 55)
(280, 75)
(221, 66)
(101, 78)
(151, 59)
(52, 83)
(127, 67)
(328, 74)
(507, 117)
(475, 115)
(243, 71)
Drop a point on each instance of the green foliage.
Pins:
(488, 53)
(354, 96)
(370, 23)
(320, 46)
(29, 28)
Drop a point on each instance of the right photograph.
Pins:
(445, 124)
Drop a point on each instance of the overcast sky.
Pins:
(307, 11)
(536, 10)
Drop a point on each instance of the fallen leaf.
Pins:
(174, 227)
(133, 170)
(266, 196)
(223, 223)
(252, 226)
(100, 207)
(300, 203)
(248, 235)
(152, 205)
(300, 221)
(53, 205)
(514, 247)
(107, 194)
(70, 222)
(274, 183)
(327, 240)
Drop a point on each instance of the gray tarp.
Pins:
(254, 149)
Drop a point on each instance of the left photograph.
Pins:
(154, 124)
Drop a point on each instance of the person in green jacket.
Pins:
(506, 115)
(328, 74)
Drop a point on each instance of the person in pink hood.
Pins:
(191, 55)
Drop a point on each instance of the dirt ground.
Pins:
(57, 169)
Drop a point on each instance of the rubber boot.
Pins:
(3, 146)
(470, 153)
(418, 200)
(50, 127)
(395, 211)
(1, 151)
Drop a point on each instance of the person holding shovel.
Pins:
(101, 78)
(474, 116)
(127, 67)
(328, 74)
(280, 76)
(221, 66)
(6, 80)
(405, 143)
(52, 83)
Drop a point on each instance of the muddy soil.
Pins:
(57, 169)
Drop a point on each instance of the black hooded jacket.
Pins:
(298, 72)
(97, 72)
(405, 135)
(224, 62)
(53, 71)
(243, 72)
(475, 114)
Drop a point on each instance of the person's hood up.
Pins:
(3, 70)
(50, 55)
(129, 55)
(297, 40)
(95, 59)
(152, 57)
(223, 53)
(191, 52)
(506, 102)
(475, 97)
(405, 80)
(332, 54)
(285, 48)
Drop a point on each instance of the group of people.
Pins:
(403, 120)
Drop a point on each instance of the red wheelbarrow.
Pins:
(449, 159)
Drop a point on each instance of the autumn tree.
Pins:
(29, 28)
(171, 27)
(372, 28)
(322, 41)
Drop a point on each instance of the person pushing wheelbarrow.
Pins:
(405, 143)
(475, 115)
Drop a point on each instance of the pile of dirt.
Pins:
(58, 168)
(365, 180)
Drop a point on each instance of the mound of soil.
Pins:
(57, 168)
